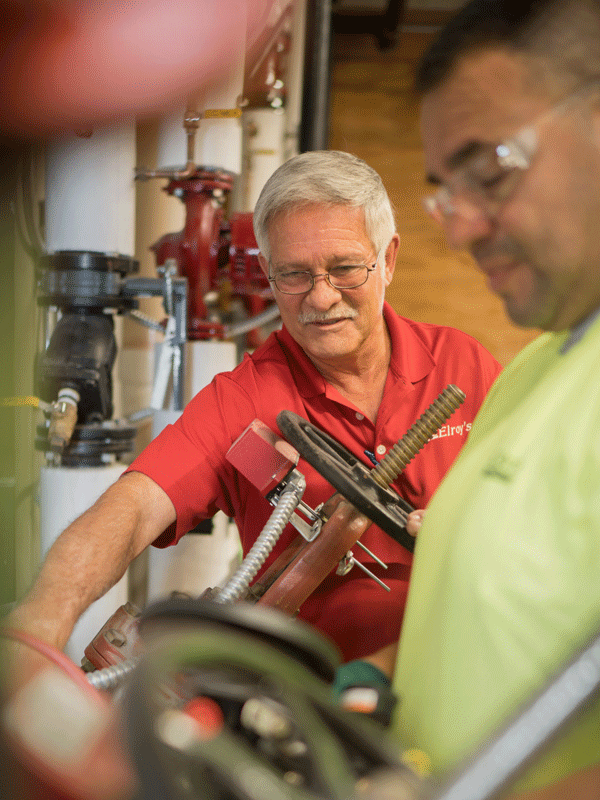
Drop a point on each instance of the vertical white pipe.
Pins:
(171, 151)
(90, 206)
(264, 132)
(65, 493)
(198, 561)
(218, 141)
(295, 81)
(90, 197)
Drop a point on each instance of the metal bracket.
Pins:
(309, 530)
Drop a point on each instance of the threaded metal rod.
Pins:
(406, 448)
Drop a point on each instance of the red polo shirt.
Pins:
(188, 458)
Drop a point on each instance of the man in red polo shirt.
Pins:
(343, 359)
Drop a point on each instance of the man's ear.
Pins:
(264, 264)
(596, 123)
(391, 254)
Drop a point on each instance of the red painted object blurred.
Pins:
(60, 738)
(69, 64)
(215, 255)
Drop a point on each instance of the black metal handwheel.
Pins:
(349, 476)
(294, 637)
(214, 711)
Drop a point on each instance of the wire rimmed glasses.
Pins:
(345, 276)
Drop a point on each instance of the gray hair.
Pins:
(558, 39)
(325, 178)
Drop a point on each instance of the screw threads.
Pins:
(417, 435)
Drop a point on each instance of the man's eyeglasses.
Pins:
(490, 176)
(342, 277)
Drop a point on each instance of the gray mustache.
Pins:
(306, 317)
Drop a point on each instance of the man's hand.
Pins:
(414, 521)
(90, 556)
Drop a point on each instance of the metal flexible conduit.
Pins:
(258, 553)
(145, 320)
(417, 435)
(111, 677)
(239, 328)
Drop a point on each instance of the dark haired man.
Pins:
(505, 584)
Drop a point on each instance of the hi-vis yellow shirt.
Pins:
(505, 585)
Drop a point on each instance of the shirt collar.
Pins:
(579, 331)
(411, 359)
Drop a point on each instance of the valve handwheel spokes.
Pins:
(368, 490)
(349, 476)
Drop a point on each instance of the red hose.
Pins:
(55, 656)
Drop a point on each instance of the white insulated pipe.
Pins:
(295, 81)
(264, 150)
(90, 193)
(198, 561)
(65, 493)
(218, 138)
(90, 207)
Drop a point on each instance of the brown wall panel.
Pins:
(374, 114)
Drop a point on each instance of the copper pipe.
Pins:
(293, 577)
(345, 525)
(191, 121)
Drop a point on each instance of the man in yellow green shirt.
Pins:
(506, 579)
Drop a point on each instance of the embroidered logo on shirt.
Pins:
(502, 466)
(452, 430)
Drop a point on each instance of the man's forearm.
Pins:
(91, 555)
(78, 569)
